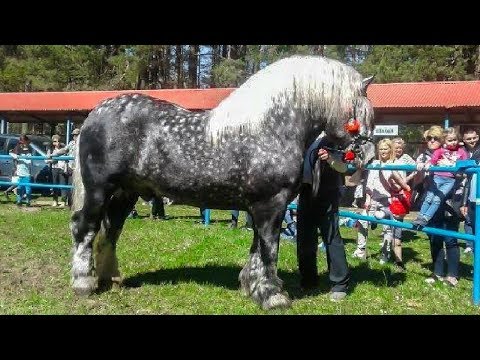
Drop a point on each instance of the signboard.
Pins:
(385, 130)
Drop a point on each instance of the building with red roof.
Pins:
(423, 103)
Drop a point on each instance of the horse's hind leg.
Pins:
(84, 225)
(105, 258)
(259, 277)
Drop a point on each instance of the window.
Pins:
(11, 144)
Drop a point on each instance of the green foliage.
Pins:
(407, 63)
(228, 73)
(110, 67)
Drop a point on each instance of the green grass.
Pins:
(181, 267)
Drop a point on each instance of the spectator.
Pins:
(443, 182)
(378, 196)
(158, 209)
(68, 150)
(443, 250)
(401, 158)
(58, 168)
(23, 169)
(470, 139)
(248, 220)
(290, 232)
(423, 179)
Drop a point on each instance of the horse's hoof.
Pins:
(84, 286)
(277, 301)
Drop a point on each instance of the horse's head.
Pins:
(355, 132)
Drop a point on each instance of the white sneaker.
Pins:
(468, 250)
(360, 254)
(55, 204)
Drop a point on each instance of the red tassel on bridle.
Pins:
(352, 127)
(349, 156)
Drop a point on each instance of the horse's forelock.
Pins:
(323, 87)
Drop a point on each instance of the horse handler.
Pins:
(320, 210)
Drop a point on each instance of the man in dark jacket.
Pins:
(470, 139)
(321, 211)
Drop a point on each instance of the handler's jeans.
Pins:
(320, 212)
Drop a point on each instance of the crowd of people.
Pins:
(445, 199)
(61, 170)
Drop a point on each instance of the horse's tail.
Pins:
(78, 192)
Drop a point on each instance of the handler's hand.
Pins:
(323, 154)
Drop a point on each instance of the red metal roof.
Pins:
(194, 99)
(445, 95)
(448, 95)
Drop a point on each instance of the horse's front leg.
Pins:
(84, 225)
(258, 278)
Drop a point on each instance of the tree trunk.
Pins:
(216, 54)
(179, 65)
(477, 64)
(194, 50)
(225, 51)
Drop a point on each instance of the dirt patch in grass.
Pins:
(32, 275)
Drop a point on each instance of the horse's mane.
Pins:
(323, 87)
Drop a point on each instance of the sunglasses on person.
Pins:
(430, 138)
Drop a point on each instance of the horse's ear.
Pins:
(366, 82)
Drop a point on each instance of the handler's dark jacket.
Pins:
(331, 180)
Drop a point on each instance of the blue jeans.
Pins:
(291, 229)
(23, 189)
(442, 185)
(448, 256)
